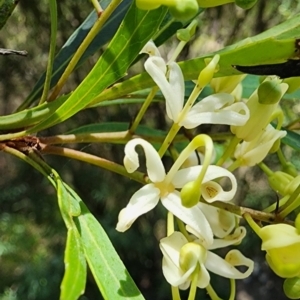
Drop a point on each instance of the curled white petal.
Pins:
(211, 191)
(221, 222)
(217, 109)
(174, 105)
(155, 168)
(203, 277)
(232, 239)
(141, 202)
(173, 91)
(226, 268)
(253, 152)
(192, 217)
(151, 49)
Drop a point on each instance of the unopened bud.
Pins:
(190, 194)
(269, 92)
(245, 4)
(291, 287)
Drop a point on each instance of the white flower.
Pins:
(183, 259)
(253, 152)
(165, 187)
(214, 109)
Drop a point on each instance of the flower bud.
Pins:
(260, 114)
(279, 181)
(245, 4)
(208, 72)
(149, 4)
(184, 10)
(291, 287)
(269, 92)
(290, 169)
(190, 194)
(213, 3)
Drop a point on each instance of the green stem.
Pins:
(230, 149)
(265, 169)
(182, 229)
(175, 293)
(32, 158)
(232, 289)
(121, 137)
(281, 157)
(292, 203)
(83, 46)
(97, 7)
(53, 13)
(252, 223)
(94, 160)
(169, 139)
(211, 292)
(193, 288)
(273, 206)
(143, 110)
(236, 164)
(103, 137)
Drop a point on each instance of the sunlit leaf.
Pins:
(73, 283)
(272, 46)
(136, 29)
(72, 44)
(107, 268)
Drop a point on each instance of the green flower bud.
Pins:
(183, 35)
(291, 287)
(190, 194)
(290, 169)
(269, 92)
(245, 4)
(184, 10)
(213, 3)
(279, 181)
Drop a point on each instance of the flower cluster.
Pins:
(187, 191)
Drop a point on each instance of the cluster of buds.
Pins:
(185, 10)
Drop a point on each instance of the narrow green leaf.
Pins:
(69, 48)
(53, 17)
(272, 46)
(68, 204)
(29, 117)
(292, 139)
(136, 29)
(73, 283)
(108, 270)
(6, 8)
(116, 127)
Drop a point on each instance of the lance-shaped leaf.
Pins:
(136, 29)
(6, 8)
(107, 268)
(65, 54)
(272, 46)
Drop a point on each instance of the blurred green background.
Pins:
(32, 233)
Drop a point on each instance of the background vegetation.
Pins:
(32, 233)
